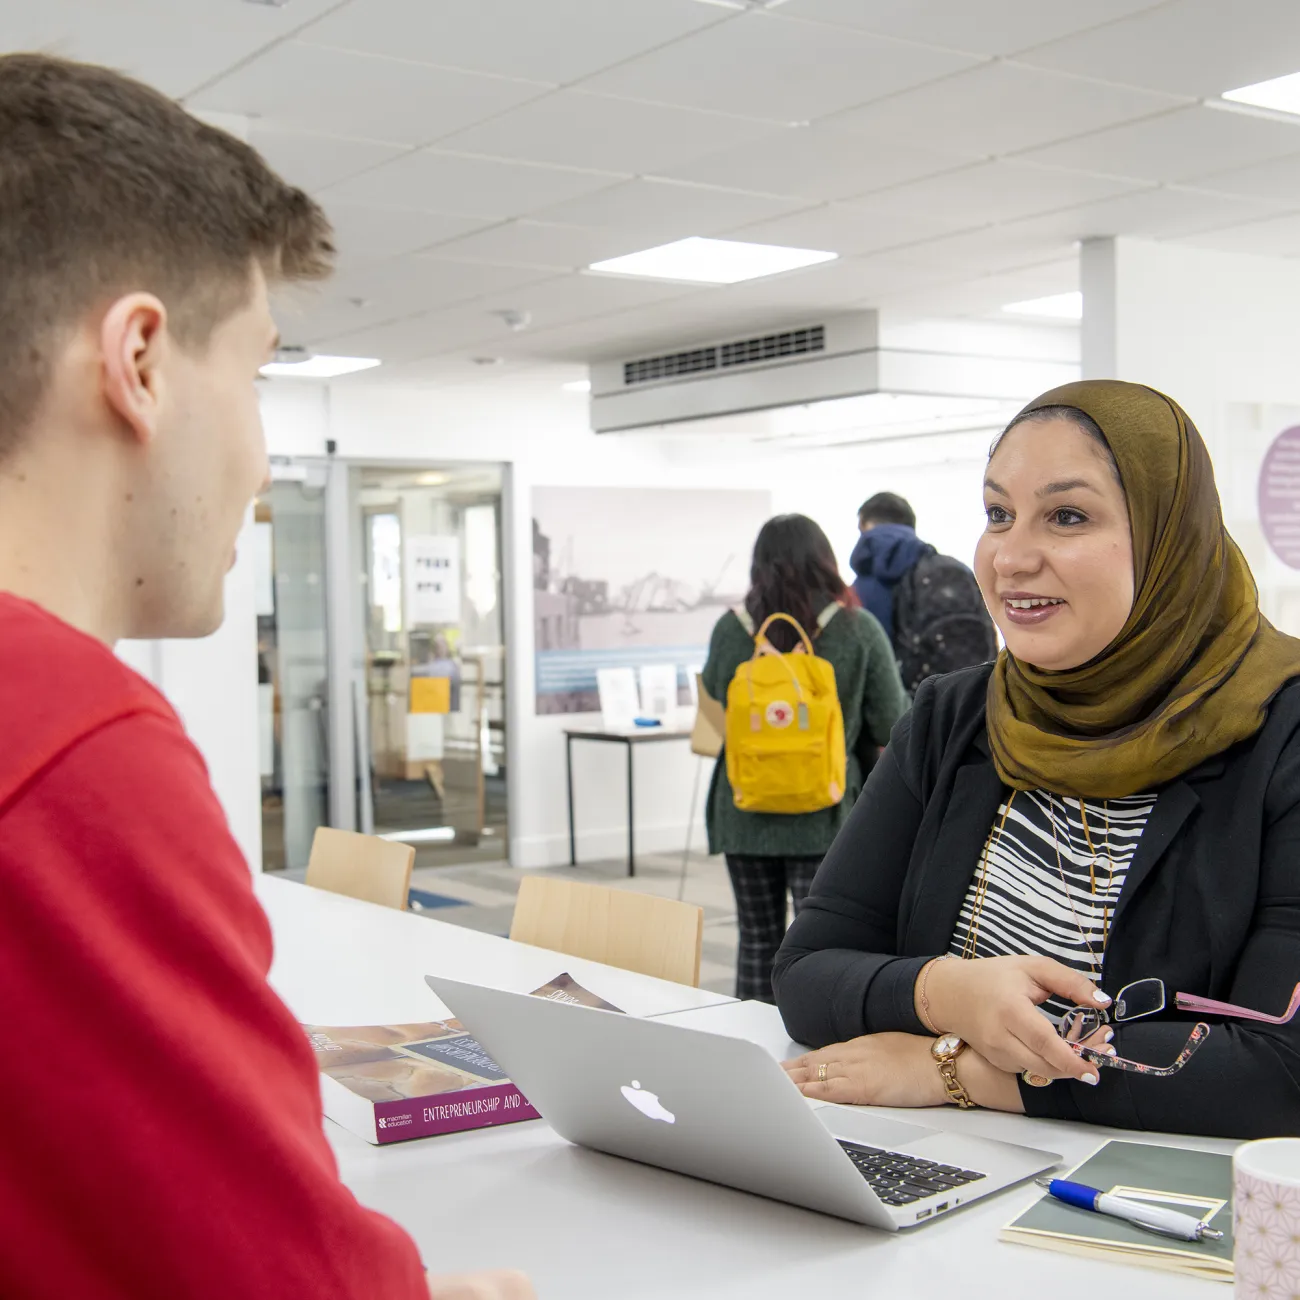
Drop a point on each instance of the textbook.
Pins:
(1194, 1182)
(390, 1083)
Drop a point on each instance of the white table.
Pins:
(339, 961)
(592, 1227)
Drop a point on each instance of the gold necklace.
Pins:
(982, 885)
(1065, 888)
(1092, 866)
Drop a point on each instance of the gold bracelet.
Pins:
(926, 1019)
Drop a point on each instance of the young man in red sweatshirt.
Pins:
(160, 1122)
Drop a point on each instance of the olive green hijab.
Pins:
(1195, 666)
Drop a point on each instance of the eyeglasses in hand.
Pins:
(1146, 998)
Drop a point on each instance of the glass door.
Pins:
(433, 631)
(292, 663)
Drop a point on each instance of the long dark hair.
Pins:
(793, 572)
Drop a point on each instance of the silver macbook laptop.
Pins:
(722, 1109)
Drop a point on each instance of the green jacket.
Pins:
(872, 698)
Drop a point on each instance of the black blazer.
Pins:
(1211, 905)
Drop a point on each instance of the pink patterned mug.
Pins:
(1266, 1219)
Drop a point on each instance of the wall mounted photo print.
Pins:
(631, 577)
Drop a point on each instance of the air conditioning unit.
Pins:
(818, 361)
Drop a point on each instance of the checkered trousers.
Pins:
(761, 886)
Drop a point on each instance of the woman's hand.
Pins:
(992, 1003)
(875, 1070)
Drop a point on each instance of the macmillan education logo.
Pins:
(396, 1121)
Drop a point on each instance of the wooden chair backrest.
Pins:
(361, 866)
(637, 932)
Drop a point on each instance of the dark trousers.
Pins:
(761, 886)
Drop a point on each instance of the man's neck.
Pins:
(58, 545)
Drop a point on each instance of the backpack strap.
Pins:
(742, 616)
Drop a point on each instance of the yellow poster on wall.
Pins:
(430, 694)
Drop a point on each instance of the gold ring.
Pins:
(1036, 1080)
(821, 1073)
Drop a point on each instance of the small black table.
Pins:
(630, 739)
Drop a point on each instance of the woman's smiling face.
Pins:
(1055, 562)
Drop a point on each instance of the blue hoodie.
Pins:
(881, 557)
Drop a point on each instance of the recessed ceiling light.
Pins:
(577, 386)
(432, 479)
(711, 261)
(317, 367)
(1281, 94)
(1058, 306)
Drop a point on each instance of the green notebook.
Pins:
(1196, 1182)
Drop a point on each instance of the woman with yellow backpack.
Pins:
(812, 690)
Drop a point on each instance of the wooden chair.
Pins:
(638, 932)
(361, 866)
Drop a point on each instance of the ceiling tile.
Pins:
(761, 65)
(421, 336)
(659, 211)
(1187, 47)
(999, 108)
(461, 185)
(1173, 147)
(575, 129)
(1276, 237)
(817, 164)
(154, 39)
(852, 228)
(985, 295)
(995, 191)
(1164, 213)
(583, 296)
(367, 296)
(989, 27)
(310, 88)
(1277, 180)
(992, 248)
(818, 289)
(536, 243)
(554, 41)
(369, 234)
(1152, 214)
(314, 161)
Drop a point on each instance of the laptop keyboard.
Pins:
(900, 1179)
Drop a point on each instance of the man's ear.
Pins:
(134, 344)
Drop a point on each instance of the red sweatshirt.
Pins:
(160, 1118)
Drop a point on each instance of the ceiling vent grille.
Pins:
(725, 356)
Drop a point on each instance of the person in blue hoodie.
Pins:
(929, 604)
(886, 550)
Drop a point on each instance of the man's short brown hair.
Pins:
(108, 187)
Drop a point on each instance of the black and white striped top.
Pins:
(1038, 903)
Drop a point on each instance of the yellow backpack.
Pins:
(785, 729)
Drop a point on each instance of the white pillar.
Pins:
(1220, 333)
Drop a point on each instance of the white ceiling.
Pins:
(477, 154)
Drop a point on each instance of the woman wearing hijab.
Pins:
(1116, 799)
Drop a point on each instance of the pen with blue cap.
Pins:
(1153, 1218)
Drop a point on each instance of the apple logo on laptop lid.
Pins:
(647, 1103)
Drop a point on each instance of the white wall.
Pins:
(1220, 333)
